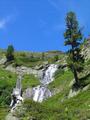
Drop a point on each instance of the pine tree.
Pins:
(10, 53)
(56, 58)
(73, 38)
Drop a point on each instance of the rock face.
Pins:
(73, 93)
(86, 49)
(24, 70)
(3, 60)
(28, 93)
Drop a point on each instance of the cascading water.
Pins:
(48, 74)
(16, 95)
(41, 92)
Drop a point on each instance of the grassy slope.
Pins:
(56, 107)
(61, 78)
(3, 112)
(59, 107)
(7, 83)
(26, 59)
(29, 81)
(76, 108)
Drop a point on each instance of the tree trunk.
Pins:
(74, 70)
(75, 76)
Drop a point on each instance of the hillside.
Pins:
(63, 104)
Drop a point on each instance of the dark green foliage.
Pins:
(56, 58)
(73, 38)
(10, 53)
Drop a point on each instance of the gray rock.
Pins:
(23, 70)
(72, 82)
(3, 60)
(86, 88)
(38, 67)
(73, 93)
(10, 116)
(28, 93)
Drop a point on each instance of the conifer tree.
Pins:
(10, 53)
(73, 38)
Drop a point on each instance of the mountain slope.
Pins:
(59, 106)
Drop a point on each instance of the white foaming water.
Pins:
(48, 77)
(41, 92)
(16, 95)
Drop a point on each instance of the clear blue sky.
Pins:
(38, 25)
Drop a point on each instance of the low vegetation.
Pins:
(7, 82)
(29, 81)
(58, 107)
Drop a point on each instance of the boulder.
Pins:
(27, 94)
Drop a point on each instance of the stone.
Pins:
(72, 83)
(10, 116)
(3, 60)
(73, 93)
(28, 93)
(86, 88)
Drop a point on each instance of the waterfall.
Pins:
(18, 83)
(48, 74)
(16, 95)
(41, 92)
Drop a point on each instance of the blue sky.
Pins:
(38, 25)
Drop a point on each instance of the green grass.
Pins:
(3, 112)
(62, 78)
(76, 108)
(26, 61)
(61, 86)
(58, 107)
(48, 109)
(29, 81)
(7, 82)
